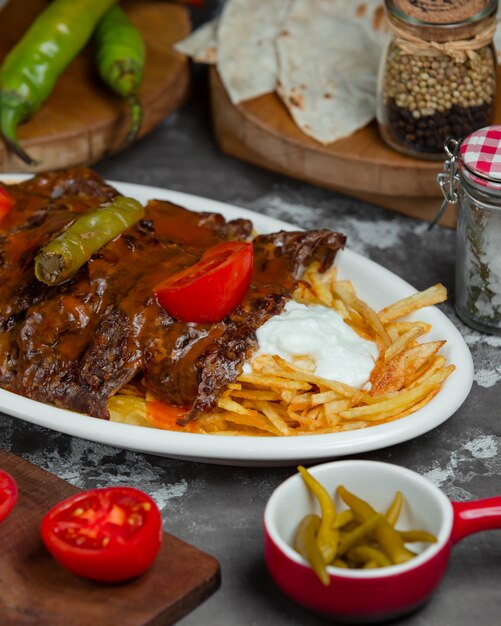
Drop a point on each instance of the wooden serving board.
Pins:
(262, 132)
(36, 591)
(82, 121)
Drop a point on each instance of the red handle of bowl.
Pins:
(472, 517)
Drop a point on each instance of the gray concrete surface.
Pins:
(219, 509)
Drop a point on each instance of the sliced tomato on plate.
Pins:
(8, 494)
(6, 203)
(212, 288)
(109, 535)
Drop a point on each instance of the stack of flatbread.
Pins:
(320, 56)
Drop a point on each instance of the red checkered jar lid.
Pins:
(481, 158)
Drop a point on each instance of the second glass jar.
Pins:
(425, 96)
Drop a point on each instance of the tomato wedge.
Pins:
(6, 203)
(8, 494)
(209, 290)
(110, 535)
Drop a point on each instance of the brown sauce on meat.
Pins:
(41, 209)
(77, 344)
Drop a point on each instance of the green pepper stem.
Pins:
(9, 119)
(136, 118)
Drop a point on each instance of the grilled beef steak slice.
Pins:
(83, 342)
(77, 344)
(198, 361)
(39, 213)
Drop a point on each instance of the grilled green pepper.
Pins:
(60, 259)
(32, 67)
(120, 53)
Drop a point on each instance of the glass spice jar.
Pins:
(472, 179)
(437, 77)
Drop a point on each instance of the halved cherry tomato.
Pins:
(6, 203)
(209, 290)
(8, 494)
(110, 535)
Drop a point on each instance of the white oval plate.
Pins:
(375, 284)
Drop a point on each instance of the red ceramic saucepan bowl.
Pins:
(377, 594)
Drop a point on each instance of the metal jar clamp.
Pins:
(448, 179)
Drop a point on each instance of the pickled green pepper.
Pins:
(389, 539)
(328, 536)
(394, 509)
(361, 532)
(305, 543)
(343, 518)
(417, 536)
(364, 538)
(120, 54)
(60, 259)
(369, 554)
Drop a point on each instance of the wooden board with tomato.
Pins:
(37, 590)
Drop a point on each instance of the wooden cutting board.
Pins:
(82, 121)
(36, 591)
(262, 132)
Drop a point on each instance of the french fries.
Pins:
(432, 295)
(281, 398)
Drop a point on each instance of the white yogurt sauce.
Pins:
(319, 332)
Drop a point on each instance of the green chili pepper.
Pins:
(120, 53)
(67, 252)
(389, 539)
(305, 543)
(32, 67)
(394, 509)
(327, 537)
(353, 537)
(366, 554)
(417, 536)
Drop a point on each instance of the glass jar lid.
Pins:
(442, 20)
(474, 166)
(481, 158)
(441, 11)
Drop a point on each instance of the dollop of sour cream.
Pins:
(319, 332)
